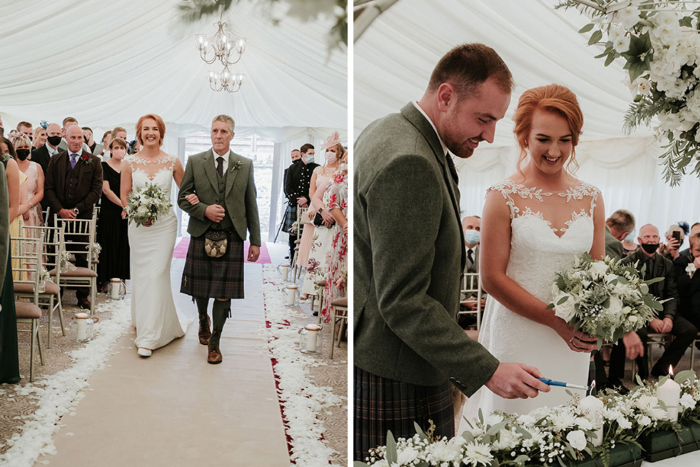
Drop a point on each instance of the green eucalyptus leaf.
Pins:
(586, 28)
(496, 428)
(420, 432)
(610, 59)
(595, 37)
(391, 456)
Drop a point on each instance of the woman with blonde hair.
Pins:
(534, 225)
(40, 137)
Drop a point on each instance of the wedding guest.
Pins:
(337, 256)
(23, 206)
(113, 227)
(106, 139)
(95, 148)
(26, 129)
(669, 321)
(42, 155)
(671, 249)
(688, 274)
(629, 244)
(39, 137)
(296, 155)
(68, 122)
(694, 232)
(33, 187)
(320, 178)
(617, 227)
(290, 212)
(9, 202)
(73, 185)
(297, 189)
(471, 226)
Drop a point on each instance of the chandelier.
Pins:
(225, 48)
(225, 81)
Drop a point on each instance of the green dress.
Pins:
(9, 356)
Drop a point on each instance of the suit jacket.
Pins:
(298, 180)
(613, 246)
(408, 259)
(475, 254)
(4, 227)
(661, 290)
(42, 157)
(89, 184)
(240, 200)
(688, 289)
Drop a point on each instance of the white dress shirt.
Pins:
(226, 157)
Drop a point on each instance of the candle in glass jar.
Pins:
(311, 332)
(291, 295)
(285, 272)
(670, 393)
(81, 323)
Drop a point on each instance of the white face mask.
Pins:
(331, 157)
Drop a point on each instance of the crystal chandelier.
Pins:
(225, 48)
(225, 81)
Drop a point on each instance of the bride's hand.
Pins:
(148, 223)
(577, 341)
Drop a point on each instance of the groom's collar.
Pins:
(442, 144)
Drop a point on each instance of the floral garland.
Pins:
(560, 435)
(660, 43)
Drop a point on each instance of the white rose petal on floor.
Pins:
(59, 393)
(300, 398)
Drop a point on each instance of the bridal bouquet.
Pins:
(147, 204)
(603, 298)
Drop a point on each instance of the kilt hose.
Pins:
(207, 277)
(382, 405)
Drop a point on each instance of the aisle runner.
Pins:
(300, 399)
(58, 394)
(181, 251)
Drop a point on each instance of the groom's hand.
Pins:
(633, 345)
(516, 381)
(253, 253)
(215, 213)
(67, 214)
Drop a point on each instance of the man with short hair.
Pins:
(670, 321)
(26, 129)
(694, 232)
(68, 122)
(117, 132)
(471, 226)
(95, 148)
(297, 184)
(409, 252)
(42, 155)
(688, 274)
(617, 227)
(218, 192)
(73, 185)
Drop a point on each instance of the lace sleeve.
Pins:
(583, 190)
(506, 189)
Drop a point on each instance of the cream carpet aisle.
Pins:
(174, 409)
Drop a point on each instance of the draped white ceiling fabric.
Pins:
(394, 58)
(108, 63)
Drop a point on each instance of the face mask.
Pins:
(309, 159)
(22, 154)
(650, 247)
(54, 140)
(331, 157)
(472, 236)
(630, 237)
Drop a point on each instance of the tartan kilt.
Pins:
(290, 217)
(382, 405)
(206, 277)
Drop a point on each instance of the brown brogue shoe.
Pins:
(204, 330)
(214, 354)
(84, 303)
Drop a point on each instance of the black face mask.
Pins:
(22, 154)
(650, 247)
(54, 140)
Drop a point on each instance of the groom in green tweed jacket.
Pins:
(409, 254)
(218, 192)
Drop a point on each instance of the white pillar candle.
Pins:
(81, 324)
(670, 393)
(311, 333)
(285, 272)
(114, 284)
(595, 407)
(291, 295)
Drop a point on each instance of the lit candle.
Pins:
(670, 393)
(595, 407)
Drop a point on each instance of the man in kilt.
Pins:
(218, 192)
(297, 183)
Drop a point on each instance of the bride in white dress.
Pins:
(534, 224)
(153, 311)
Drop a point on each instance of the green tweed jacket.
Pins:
(613, 246)
(240, 199)
(408, 257)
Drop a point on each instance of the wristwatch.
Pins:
(76, 211)
(320, 210)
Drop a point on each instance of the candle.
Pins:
(595, 407)
(670, 393)
(285, 271)
(311, 332)
(81, 326)
(291, 295)
(115, 283)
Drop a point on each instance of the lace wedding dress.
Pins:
(538, 252)
(153, 311)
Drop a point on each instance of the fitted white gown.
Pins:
(153, 311)
(537, 254)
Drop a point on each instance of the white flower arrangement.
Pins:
(554, 436)
(660, 44)
(64, 260)
(95, 249)
(147, 204)
(690, 269)
(603, 298)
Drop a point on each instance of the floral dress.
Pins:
(337, 254)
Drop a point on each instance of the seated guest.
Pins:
(629, 244)
(472, 232)
(33, 186)
(39, 137)
(112, 228)
(671, 249)
(689, 282)
(26, 129)
(670, 321)
(617, 227)
(68, 122)
(694, 232)
(95, 148)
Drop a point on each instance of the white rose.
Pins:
(624, 423)
(506, 440)
(687, 401)
(577, 440)
(446, 452)
(407, 455)
(615, 307)
(599, 269)
(633, 319)
(644, 420)
(493, 419)
(566, 310)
